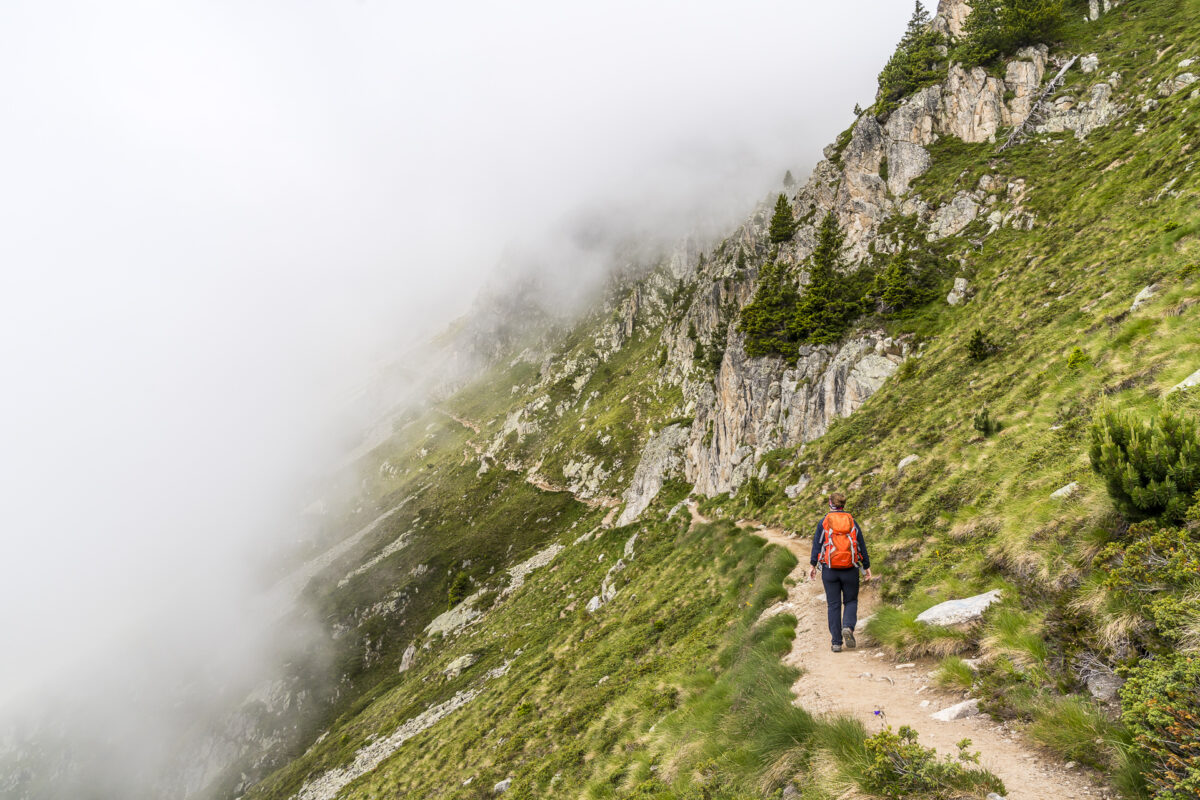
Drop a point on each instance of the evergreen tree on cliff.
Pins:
(766, 320)
(827, 308)
(916, 63)
(783, 224)
(995, 29)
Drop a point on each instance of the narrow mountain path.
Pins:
(857, 683)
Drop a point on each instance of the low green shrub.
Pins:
(899, 767)
(979, 346)
(984, 423)
(1160, 703)
(1151, 469)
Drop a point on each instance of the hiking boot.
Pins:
(848, 635)
(837, 648)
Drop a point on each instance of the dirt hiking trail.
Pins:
(856, 683)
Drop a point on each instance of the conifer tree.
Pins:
(903, 285)
(788, 180)
(766, 319)
(827, 308)
(783, 223)
(999, 27)
(916, 63)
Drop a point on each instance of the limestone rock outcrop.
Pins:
(661, 457)
(760, 404)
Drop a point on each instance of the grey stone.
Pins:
(967, 708)
(953, 216)
(459, 665)
(406, 660)
(1066, 491)
(1188, 382)
(796, 488)
(756, 405)
(661, 458)
(1144, 296)
(961, 289)
(1104, 686)
(906, 461)
(1089, 63)
(502, 786)
(956, 612)
(1172, 85)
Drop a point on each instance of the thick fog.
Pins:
(216, 218)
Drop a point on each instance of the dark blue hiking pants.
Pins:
(841, 595)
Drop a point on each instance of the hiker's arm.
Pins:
(816, 551)
(862, 548)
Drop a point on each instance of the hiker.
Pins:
(839, 548)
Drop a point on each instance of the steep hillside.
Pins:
(518, 600)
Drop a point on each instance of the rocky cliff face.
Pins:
(759, 404)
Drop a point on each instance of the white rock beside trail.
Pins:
(1188, 382)
(956, 612)
(1065, 492)
(967, 708)
(906, 461)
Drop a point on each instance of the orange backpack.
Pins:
(839, 549)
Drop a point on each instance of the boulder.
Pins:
(953, 217)
(967, 708)
(406, 660)
(1143, 297)
(1172, 85)
(956, 612)
(1089, 63)
(661, 458)
(1188, 382)
(502, 786)
(796, 488)
(1065, 492)
(1104, 686)
(906, 461)
(459, 665)
(960, 291)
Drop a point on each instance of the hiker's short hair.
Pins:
(837, 500)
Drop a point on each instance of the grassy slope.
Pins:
(1114, 214)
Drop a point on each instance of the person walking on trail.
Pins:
(838, 546)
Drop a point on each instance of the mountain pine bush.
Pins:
(918, 62)
(1151, 469)
(1160, 703)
